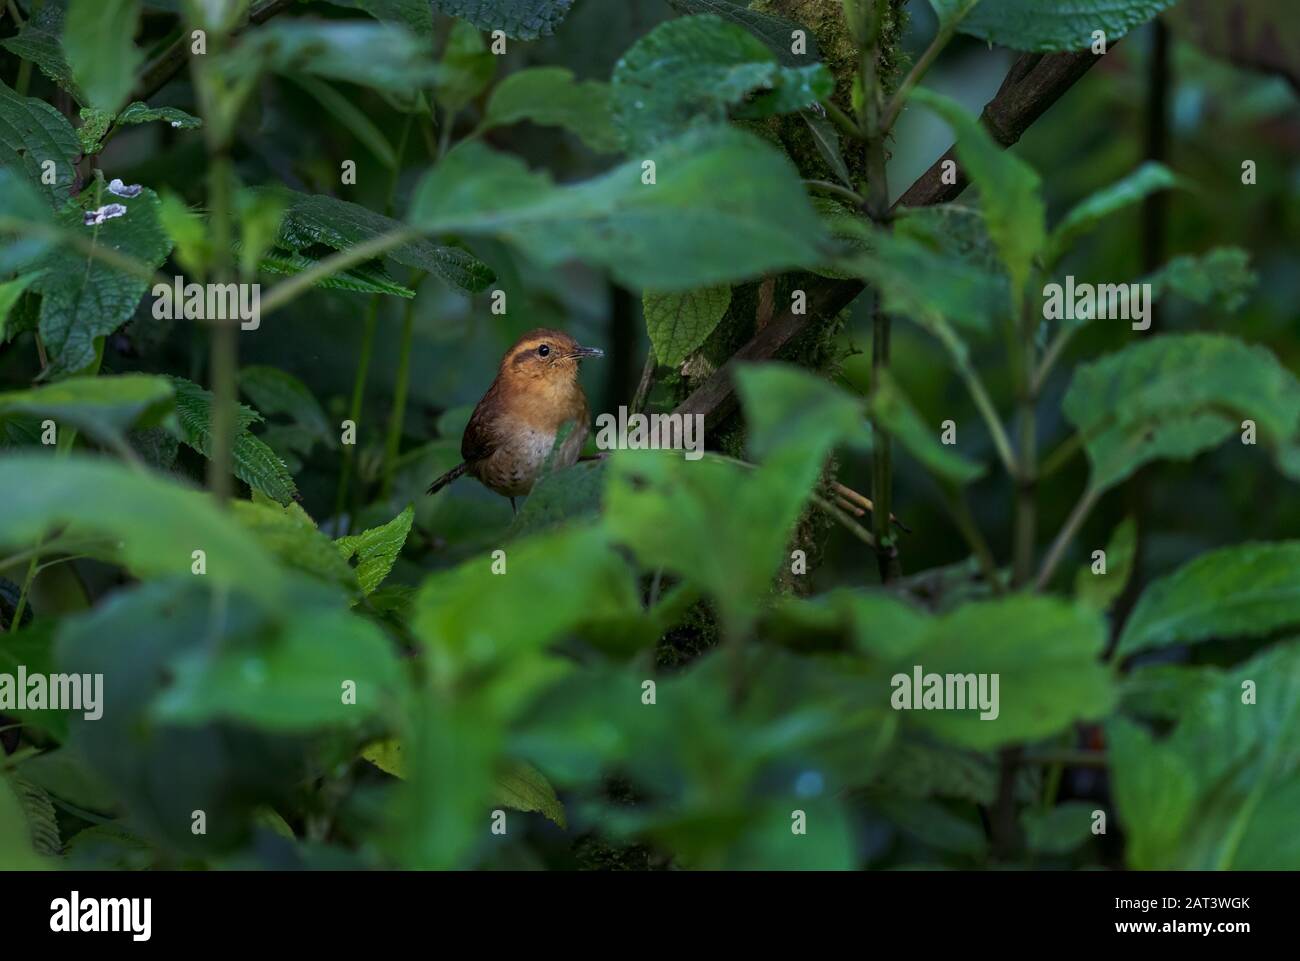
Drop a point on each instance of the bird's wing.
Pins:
(481, 436)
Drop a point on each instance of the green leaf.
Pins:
(679, 323)
(1102, 590)
(138, 112)
(298, 680)
(384, 56)
(1219, 793)
(1221, 276)
(524, 788)
(368, 278)
(274, 391)
(317, 219)
(897, 415)
(1048, 26)
(551, 97)
(560, 497)
(41, 41)
(777, 33)
(1009, 188)
(253, 461)
(17, 852)
(104, 407)
(788, 408)
(1086, 215)
(94, 127)
(292, 536)
(32, 133)
(32, 647)
(376, 549)
(936, 826)
(827, 141)
(1176, 396)
(518, 19)
(951, 12)
(156, 524)
(691, 70)
(698, 225)
(345, 110)
(1059, 830)
(259, 215)
(10, 293)
(83, 298)
(414, 14)
(466, 68)
(1044, 652)
(98, 42)
(1248, 590)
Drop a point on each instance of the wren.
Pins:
(512, 430)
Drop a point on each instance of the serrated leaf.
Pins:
(698, 225)
(42, 820)
(1248, 590)
(84, 298)
(17, 852)
(292, 536)
(1091, 211)
(1176, 396)
(1221, 276)
(692, 70)
(41, 42)
(777, 33)
(1009, 188)
(31, 133)
(317, 219)
(253, 461)
(138, 112)
(369, 278)
(1102, 590)
(104, 407)
(551, 97)
(679, 323)
(98, 40)
(518, 19)
(376, 550)
(524, 788)
(1048, 26)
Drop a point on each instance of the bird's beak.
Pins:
(581, 352)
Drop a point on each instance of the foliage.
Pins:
(701, 660)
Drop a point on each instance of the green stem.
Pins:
(400, 388)
(826, 187)
(354, 412)
(842, 120)
(966, 525)
(21, 606)
(286, 291)
(1072, 524)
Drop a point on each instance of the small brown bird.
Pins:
(512, 430)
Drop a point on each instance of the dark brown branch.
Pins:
(1033, 84)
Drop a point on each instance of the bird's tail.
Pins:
(447, 478)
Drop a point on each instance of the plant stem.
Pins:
(282, 293)
(1077, 516)
(842, 120)
(401, 387)
(919, 69)
(354, 413)
(961, 515)
(826, 187)
(984, 404)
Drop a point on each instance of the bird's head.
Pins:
(545, 355)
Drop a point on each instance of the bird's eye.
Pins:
(543, 350)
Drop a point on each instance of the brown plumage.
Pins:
(512, 430)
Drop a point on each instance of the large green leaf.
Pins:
(292, 536)
(679, 323)
(83, 298)
(104, 407)
(701, 223)
(1045, 654)
(1095, 208)
(155, 524)
(1221, 791)
(790, 408)
(692, 70)
(318, 219)
(41, 41)
(1178, 395)
(1248, 590)
(17, 851)
(32, 133)
(519, 19)
(98, 40)
(1047, 26)
(551, 97)
(253, 461)
(1009, 194)
(376, 549)
(1221, 276)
